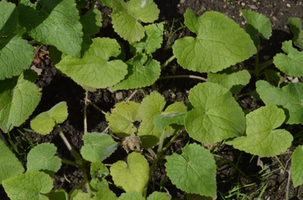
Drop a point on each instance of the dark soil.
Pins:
(252, 173)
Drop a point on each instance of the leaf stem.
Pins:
(69, 162)
(168, 61)
(85, 106)
(83, 168)
(69, 147)
(184, 76)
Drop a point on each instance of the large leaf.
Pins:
(41, 158)
(45, 122)
(91, 21)
(97, 146)
(297, 166)
(194, 171)
(94, 69)
(9, 18)
(220, 42)
(10, 165)
(15, 56)
(257, 24)
(142, 72)
(19, 96)
(54, 22)
(30, 185)
(132, 175)
(262, 138)
(291, 63)
(126, 17)
(216, 114)
(289, 98)
(296, 27)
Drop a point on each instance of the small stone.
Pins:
(274, 18)
(253, 7)
(242, 4)
(119, 95)
(182, 1)
(288, 5)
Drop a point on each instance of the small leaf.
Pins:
(94, 69)
(216, 115)
(91, 21)
(9, 18)
(297, 166)
(262, 138)
(194, 171)
(257, 24)
(133, 195)
(173, 114)
(30, 185)
(132, 175)
(142, 72)
(15, 56)
(150, 107)
(291, 64)
(19, 96)
(289, 98)
(54, 22)
(296, 27)
(126, 17)
(82, 196)
(151, 42)
(45, 122)
(220, 43)
(97, 146)
(58, 194)
(41, 158)
(122, 118)
(105, 194)
(231, 80)
(10, 165)
(158, 196)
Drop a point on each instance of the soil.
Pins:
(251, 174)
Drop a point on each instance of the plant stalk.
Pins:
(168, 61)
(184, 76)
(85, 108)
(69, 147)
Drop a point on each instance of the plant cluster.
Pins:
(212, 115)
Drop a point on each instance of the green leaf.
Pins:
(262, 138)
(58, 194)
(94, 69)
(30, 185)
(122, 118)
(54, 22)
(105, 194)
(173, 114)
(257, 24)
(216, 115)
(297, 166)
(9, 18)
(133, 195)
(142, 72)
(194, 171)
(158, 196)
(45, 122)
(132, 175)
(98, 171)
(19, 96)
(296, 27)
(126, 17)
(81, 196)
(10, 165)
(91, 21)
(41, 158)
(151, 42)
(150, 107)
(291, 64)
(231, 80)
(289, 98)
(15, 56)
(97, 146)
(220, 42)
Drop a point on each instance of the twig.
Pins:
(64, 138)
(104, 113)
(85, 106)
(131, 96)
(184, 76)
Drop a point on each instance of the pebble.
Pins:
(288, 5)
(119, 95)
(182, 1)
(253, 7)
